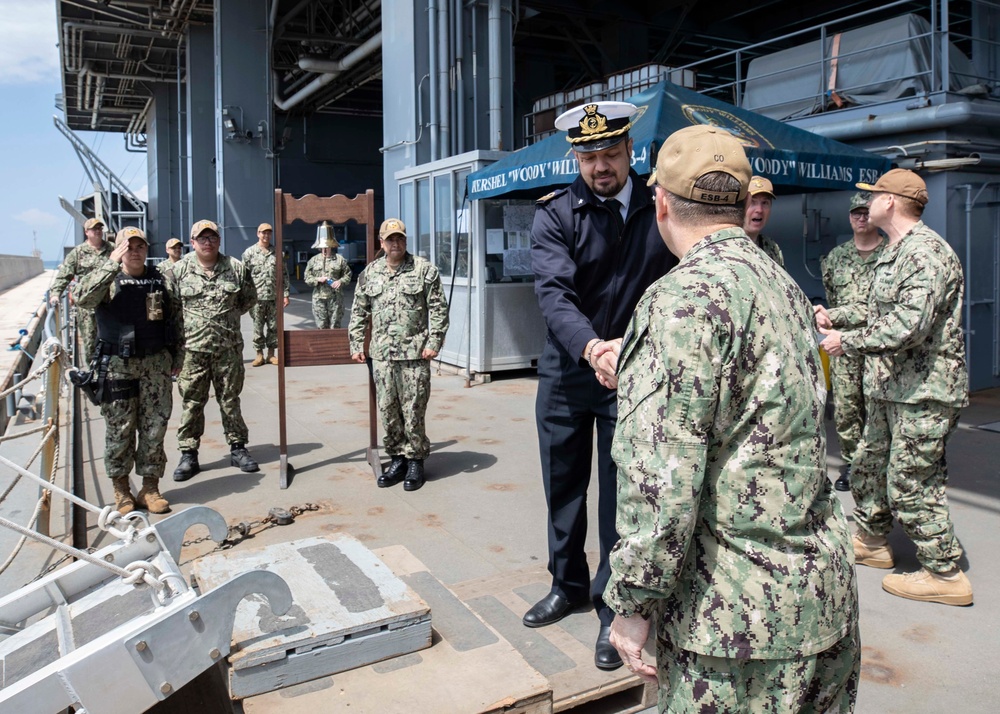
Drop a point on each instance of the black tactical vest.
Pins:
(136, 322)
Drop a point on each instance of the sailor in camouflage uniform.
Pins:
(916, 383)
(260, 261)
(760, 196)
(847, 273)
(401, 295)
(329, 274)
(136, 339)
(213, 291)
(175, 251)
(732, 540)
(94, 251)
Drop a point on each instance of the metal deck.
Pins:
(471, 544)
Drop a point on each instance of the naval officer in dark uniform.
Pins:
(595, 249)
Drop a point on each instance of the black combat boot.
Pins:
(844, 482)
(414, 475)
(188, 466)
(394, 473)
(239, 456)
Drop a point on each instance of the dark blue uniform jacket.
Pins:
(588, 279)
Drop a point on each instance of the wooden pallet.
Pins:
(563, 652)
(469, 669)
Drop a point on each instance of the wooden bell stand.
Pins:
(308, 348)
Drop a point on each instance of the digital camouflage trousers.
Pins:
(135, 427)
(900, 471)
(265, 325)
(846, 376)
(225, 373)
(824, 683)
(403, 388)
(328, 311)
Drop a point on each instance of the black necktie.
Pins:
(615, 206)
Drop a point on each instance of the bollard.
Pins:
(12, 397)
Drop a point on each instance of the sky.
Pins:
(38, 164)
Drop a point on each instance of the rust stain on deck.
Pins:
(875, 668)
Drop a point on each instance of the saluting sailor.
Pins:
(595, 249)
(136, 339)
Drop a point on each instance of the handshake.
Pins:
(831, 340)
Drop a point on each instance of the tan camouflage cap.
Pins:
(391, 226)
(264, 227)
(899, 182)
(201, 226)
(172, 242)
(129, 232)
(93, 223)
(694, 151)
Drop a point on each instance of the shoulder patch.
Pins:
(549, 196)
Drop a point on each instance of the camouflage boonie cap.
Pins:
(129, 232)
(93, 223)
(861, 199)
(391, 226)
(201, 226)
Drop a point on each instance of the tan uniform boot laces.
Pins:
(149, 497)
(124, 502)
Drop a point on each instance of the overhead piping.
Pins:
(98, 98)
(936, 117)
(496, 79)
(432, 63)
(114, 29)
(329, 69)
(444, 95)
(459, 85)
(420, 123)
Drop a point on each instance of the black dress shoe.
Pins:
(414, 475)
(394, 473)
(605, 654)
(844, 482)
(551, 608)
(187, 467)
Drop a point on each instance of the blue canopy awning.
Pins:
(787, 155)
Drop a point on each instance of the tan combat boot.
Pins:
(270, 357)
(258, 360)
(149, 497)
(873, 551)
(124, 502)
(951, 588)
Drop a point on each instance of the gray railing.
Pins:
(723, 75)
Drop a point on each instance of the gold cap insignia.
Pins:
(593, 122)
